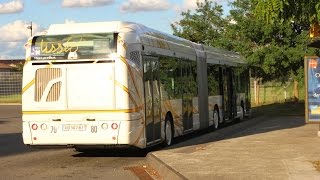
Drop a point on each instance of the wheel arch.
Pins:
(169, 117)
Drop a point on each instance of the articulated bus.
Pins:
(121, 84)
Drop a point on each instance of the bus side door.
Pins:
(228, 94)
(152, 99)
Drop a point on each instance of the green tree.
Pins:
(274, 50)
(18, 67)
(301, 14)
(205, 25)
(300, 11)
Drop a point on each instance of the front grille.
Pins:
(43, 77)
(54, 93)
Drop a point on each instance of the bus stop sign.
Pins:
(312, 81)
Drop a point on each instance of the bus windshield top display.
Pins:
(73, 46)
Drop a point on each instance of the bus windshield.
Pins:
(73, 46)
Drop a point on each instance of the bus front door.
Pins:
(152, 99)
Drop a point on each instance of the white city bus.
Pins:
(123, 84)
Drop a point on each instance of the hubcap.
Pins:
(216, 119)
(168, 133)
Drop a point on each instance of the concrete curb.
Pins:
(168, 172)
(163, 169)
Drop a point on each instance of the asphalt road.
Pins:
(20, 162)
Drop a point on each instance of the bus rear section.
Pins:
(68, 100)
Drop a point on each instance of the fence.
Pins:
(275, 92)
(10, 87)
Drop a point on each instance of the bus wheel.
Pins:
(216, 119)
(168, 131)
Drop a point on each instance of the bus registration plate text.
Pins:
(74, 127)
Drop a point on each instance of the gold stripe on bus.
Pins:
(119, 38)
(124, 88)
(176, 117)
(170, 107)
(124, 45)
(24, 89)
(81, 111)
(123, 59)
(50, 64)
(27, 60)
(139, 136)
(131, 75)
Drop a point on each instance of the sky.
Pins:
(17, 15)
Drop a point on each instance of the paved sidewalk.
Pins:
(271, 148)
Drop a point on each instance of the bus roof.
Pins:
(213, 55)
(112, 26)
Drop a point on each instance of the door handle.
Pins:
(56, 119)
(91, 119)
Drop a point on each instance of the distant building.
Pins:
(9, 65)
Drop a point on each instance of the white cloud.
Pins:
(13, 37)
(192, 4)
(144, 5)
(17, 31)
(14, 50)
(14, 6)
(85, 3)
(69, 21)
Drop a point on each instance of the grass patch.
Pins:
(280, 109)
(14, 98)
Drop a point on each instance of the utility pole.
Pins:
(30, 27)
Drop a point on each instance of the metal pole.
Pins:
(31, 28)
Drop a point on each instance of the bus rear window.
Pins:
(73, 46)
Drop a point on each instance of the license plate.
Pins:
(74, 127)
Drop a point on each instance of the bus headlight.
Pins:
(114, 126)
(44, 126)
(34, 127)
(104, 126)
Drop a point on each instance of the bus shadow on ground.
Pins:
(114, 153)
(266, 119)
(118, 152)
(3, 121)
(12, 144)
